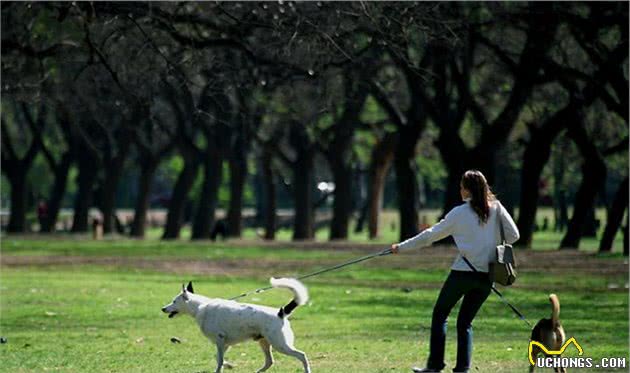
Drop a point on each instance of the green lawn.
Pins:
(371, 317)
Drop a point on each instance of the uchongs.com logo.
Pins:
(552, 358)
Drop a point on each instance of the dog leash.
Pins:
(497, 292)
(378, 254)
(312, 274)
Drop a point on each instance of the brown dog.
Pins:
(549, 332)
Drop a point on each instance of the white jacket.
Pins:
(475, 241)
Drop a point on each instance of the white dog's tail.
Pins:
(300, 294)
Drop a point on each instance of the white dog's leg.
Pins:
(298, 355)
(266, 348)
(283, 342)
(220, 353)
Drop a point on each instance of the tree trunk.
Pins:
(147, 170)
(615, 217)
(238, 175)
(360, 201)
(406, 182)
(625, 236)
(207, 203)
(535, 158)
(559, 199)
(85, 194)
(113, 173)
(563, 211)
(594, 172)
(110, 185)
(179, 198)
(453, 196)
(339, 151)
(454, 155)
(407, 186)
(483, 158)
(342, 203)
(593, 177)
(57, 192)
(16, 170)
(363, 211)
(303, 180)
(382, 157)
(269, 191)
(17, 218)
(590, 224)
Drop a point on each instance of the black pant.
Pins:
(475, 288)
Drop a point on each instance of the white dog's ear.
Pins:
(184, 292)
(189, 287)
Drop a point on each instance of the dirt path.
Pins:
(556, 262)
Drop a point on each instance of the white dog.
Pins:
(227, 322)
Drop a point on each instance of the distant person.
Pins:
(220, 229)
(474, 227)
(97, 229)
(42, 213)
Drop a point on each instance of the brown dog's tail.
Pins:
(555, 309)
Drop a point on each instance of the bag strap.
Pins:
(469, 264)
(498, 293)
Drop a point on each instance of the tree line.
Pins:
(96, 87)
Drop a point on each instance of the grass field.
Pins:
(84, 306)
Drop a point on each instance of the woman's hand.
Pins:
(395, 248)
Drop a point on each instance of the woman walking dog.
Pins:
(475, 228)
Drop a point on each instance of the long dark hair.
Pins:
(481, 195)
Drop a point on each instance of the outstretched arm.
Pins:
(442, 229)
